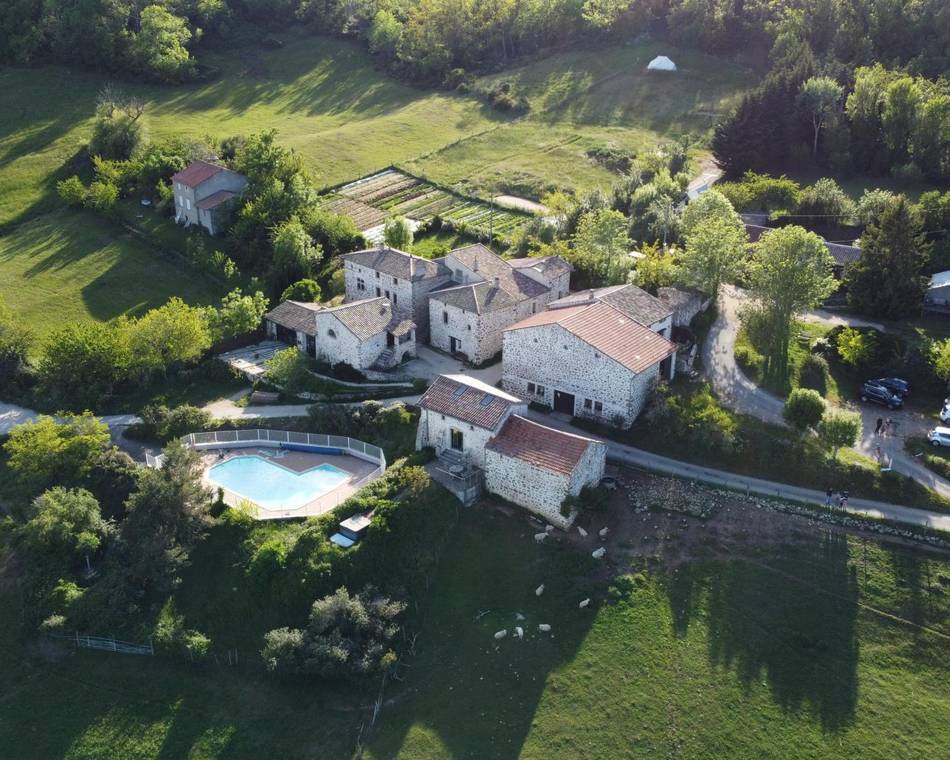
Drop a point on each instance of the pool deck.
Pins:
(298, 461)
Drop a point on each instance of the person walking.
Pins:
(829, 495)
(877, 428)
(843, 500)
(887, 427)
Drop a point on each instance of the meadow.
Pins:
(824, 646)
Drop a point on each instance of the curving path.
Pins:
(740, 394)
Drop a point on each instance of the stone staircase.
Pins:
(386, 360)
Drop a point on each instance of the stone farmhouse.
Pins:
(403, 279)
(365, 334)
(473, 426)
(635, 302)
(590, 360)
(488, 294)
(205, 194)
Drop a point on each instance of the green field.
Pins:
(818, 646)
(67, 266)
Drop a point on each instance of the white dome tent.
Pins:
(661, 63)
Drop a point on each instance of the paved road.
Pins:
(12, 415)
(658, 463)
(739, 393)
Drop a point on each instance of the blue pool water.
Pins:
(271, 486)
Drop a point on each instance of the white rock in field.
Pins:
(539, 537)
(581, 531)
(548, 528)
(519, 632)
(501, 634)
(519, 616)
(544, 627)
(583, 604)
(598, 553)
(603, 532)
(539, 590)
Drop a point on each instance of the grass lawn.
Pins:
(435, 244)
(68, 266)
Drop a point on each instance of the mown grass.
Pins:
(67, 266)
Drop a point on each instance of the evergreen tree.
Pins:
(887, 280)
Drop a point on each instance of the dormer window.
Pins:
(331, 333)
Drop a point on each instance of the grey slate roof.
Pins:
(370, 317)
(503, 285)
(842, 254)
(547, 265)
(478, 297)
(295, 315)
(635, 302)
(397, 263)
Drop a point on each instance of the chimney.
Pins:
(590, 294)
(497, 282)
(475, 266)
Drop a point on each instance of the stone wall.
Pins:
(340, 345)
(434, 430)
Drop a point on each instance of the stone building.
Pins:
(635, 302)
(472, 425)
(684, 302)
(364, 334)
(488, 294)
(205, 194)
(405, 280)
(589, 361)
(538, 467)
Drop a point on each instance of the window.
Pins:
(387, 294)
(540, 390)
(188, 204)
(445, 317)
(360, 283)
(331, 333)
(395, 280)
(395, 299)
(455, 439)
(598, 406)
(534, 307)
(486, 400)
(379, 291)
(596, 355)
(377, 275)
(530, 387)
(459, 392)
(405, 338)
(588, 404)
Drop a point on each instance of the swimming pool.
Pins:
(273, 487)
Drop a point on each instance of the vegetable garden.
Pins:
(399, 194)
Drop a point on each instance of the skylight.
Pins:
(486, 400)
(459, 392)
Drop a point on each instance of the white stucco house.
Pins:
(526, 463)
(205, 194)
(589, 361)
(365, 334)
(403, 279)
(486, 294)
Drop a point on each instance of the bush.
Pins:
(102, 196)
(159, 423)
(287, 370)
(856, 348)
(813, 373)
(72, 191)
(804, 408)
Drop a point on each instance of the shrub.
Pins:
(856, 348)
(839, 428)
(287, 370)
(102, 196)
(813, 373)
(804, 408)
(159, 423)
(72, 191)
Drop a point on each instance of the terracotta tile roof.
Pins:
(635, 302)
(397, 263)
(369, 317)
(295, 315)
(468, 400)
(608, 330)
(196, 172)
(215, 199)
(540, 446)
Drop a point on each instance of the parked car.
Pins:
(939, 436)
(878, 394)
(945, 412)
(896, 385)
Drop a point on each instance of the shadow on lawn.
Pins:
(792, 624)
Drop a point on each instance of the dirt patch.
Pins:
(522, 204)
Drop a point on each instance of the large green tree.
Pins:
(887, 280)
(81, 364)
(66, 523)
(790, 271)
(15, 342)
(238, 314)
(819, 97)
(715, 253)
(601, 245)
(173, 334)
(159, 47)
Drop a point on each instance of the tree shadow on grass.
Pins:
(793, 626)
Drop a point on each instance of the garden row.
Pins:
(398, 194)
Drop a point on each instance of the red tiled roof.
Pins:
(469, 400)
(196, 172)
(215, 199)
(610, 331)
(540, 446)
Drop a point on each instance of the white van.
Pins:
(939, 436)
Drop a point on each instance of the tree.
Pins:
(855, 348)
(710, 205)
(939, 356)
(827, 202)
(72, 191)
(345, 636)
(872, 204)
(714, 254)
(238, 314)
(306, 291)
(46, 452)
(81, 364)
(287, 370)
(167, 516)
(66, 522)
(655, 269)
(665, 216)
(839, 428)
(398, 234)
(790, 271)
(887, 280)
(804, 408)
(819, 96)
(159, 46)
(902, 100)
(175, 333)
(602, 244)
(15, 342)
(117, 132)
(295, 254)
(385, 35)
